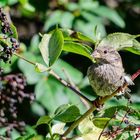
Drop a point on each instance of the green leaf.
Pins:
(72, 6)
(3, 3)
(32, 76)
(67, 113)
(34, 43)
(8, 68)
(67, 34)
(48, 96)
(74, 99)
(110, 14)
(26, 137)
(84, 83)
(117, 40)
(100, 122)
(12, 2)
(78, 49)
(37, 109)
(61, 108)
(88, 5)
(67, 20)
(37, 137)
(122, 41)
(3, 131)
(55, 46)
(14, 134)
(45, 96)
(14, 30)
(27, 6)
(70, 35)
(88, 27)
(51, 46)
(43, 120)
(85, 38)
(135, 48)
(109, 112)
(134, 115)
(75, 75)
(53, 19)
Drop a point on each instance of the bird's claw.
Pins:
(97, 104)
(124, 93)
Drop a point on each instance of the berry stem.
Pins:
(23, 58)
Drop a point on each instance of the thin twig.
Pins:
(69, 80)
(50, 131)
(70, 86)
(106, 125)
(127, 111)
(23, 58)
(51, 72)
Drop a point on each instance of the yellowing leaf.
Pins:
(89, 130)
(43, 46)
(58, 128)
(40, 68)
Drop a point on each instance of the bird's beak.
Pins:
(96, 55)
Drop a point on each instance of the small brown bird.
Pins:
(107, 74)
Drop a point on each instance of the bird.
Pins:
(107, 74)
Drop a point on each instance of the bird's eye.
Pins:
(105, 51)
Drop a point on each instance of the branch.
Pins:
(87, 113)
(93, 107)
(69, 80)
(51, 72)
(100, 101)
(73, 88)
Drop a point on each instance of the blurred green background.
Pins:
(32, 17)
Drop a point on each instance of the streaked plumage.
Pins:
(107, 74)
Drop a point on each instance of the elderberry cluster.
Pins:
(12, 94)
(6, 50)
(5, 26)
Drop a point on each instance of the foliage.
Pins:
(67, 41)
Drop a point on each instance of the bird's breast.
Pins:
(105, 78)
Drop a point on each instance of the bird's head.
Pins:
(106, 55)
